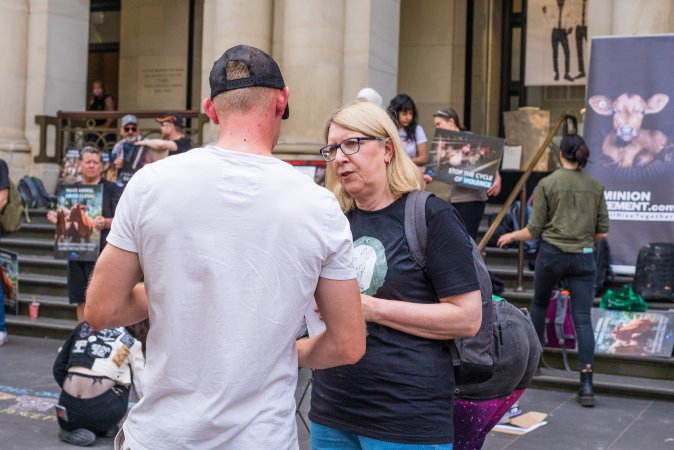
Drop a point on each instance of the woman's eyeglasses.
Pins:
(348, 146)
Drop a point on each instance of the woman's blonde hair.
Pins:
(371, 120)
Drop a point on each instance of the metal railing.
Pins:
(520, 189)
(75, 129)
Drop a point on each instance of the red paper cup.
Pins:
(34, 310)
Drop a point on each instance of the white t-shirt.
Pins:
(410, 145)
(231, 246)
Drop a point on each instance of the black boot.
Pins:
(585, 394)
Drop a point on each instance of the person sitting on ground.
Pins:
(172, 140)
(95, 370)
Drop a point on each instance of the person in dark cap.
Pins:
(172, 140)
(234, 261)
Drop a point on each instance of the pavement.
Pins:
(28, 393)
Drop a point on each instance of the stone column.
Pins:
(228, 23)
(57, 68)
(651, 17)
(371, 35)
(14, 148)
(312, 65)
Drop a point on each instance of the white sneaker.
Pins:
(3, 337)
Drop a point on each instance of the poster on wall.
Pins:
(629, 131)
(633, 333)
(464, 159)
(556, 40)
(76, 237)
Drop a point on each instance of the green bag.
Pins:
(624, 300)
(10, 218)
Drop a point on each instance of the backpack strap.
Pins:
(416, 231)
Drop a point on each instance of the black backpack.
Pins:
(473, 357)
(45, 199)
(28, 192)
(602, 256)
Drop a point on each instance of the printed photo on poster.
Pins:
(633, 333)
(312, 168)
(628, 128)
(465, 159)
(9, 266)
(76, 237)
(556, 40)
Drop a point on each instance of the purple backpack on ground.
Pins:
(559, 329)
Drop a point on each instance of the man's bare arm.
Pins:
(158, 145)
(113, 299)
(343, 341)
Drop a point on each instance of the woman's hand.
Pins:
(495, 188)
(51, 216)
(505, 239)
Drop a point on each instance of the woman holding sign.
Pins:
(569, 215)
(400, 394)
(469, 203)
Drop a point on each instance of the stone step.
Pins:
(36, 230)
(44, 327)
(43, 265)
(508, 274)
(625, 365)
(36, 284)
(522, 299)
(51, 306)
(28, 246)
(629, 386)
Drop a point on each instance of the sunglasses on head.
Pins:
(130, 128)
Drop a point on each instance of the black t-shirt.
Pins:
(183, 145)
(111, 195)
(4, 175)
(402, 389)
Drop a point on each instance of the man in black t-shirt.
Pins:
(79, 272)
(172, 142)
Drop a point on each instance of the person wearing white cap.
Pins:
(369, 94)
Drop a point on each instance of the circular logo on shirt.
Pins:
(369, 258)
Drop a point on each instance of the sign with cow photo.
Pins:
(9, 271)
(648, 333)
(76, 237)
(464, 159)
(630, 132)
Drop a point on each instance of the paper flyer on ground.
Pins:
(522, 424)
(648, 333)
(9, 268)
(465, 159)
(75, 237)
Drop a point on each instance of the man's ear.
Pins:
(209, 109)
(282, 101)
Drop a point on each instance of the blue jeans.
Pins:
(326, 438)
(579, 270)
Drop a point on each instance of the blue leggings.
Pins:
(326, 438)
